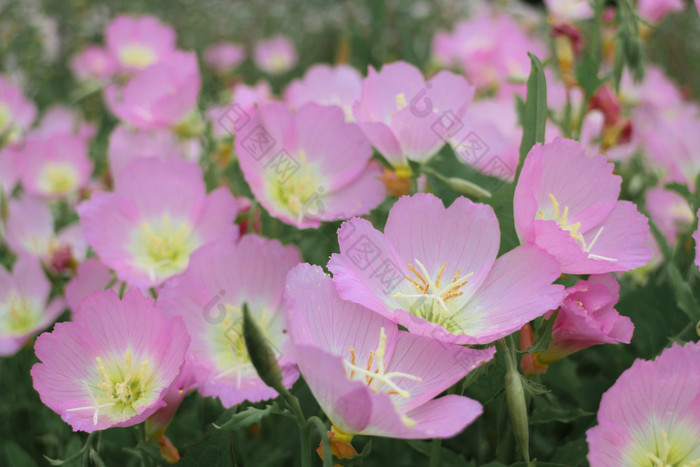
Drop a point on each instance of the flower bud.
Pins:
(260, 352)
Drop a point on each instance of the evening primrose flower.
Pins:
(129, 144)
(25, 308)
(55, 166)
(491, 50)
(93, 63)
(158, 215)
(650, 416)
(566, 203)
(326, 85)
(113, 364)
(159, 96)
(587, 317)
(310, 166)
(369, 377)
(406, 117)
(30, 231)
(223, 57)
(434, 271)
(275, 56)
(16, 111)
(136, 43)
(209, 296)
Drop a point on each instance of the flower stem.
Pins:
(435, 452)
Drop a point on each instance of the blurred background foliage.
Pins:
(37, 40)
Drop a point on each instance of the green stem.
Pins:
(323, 431)
(435, 452)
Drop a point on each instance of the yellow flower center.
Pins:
(19, 315)
(58, 178)
(561, 217)
(431, 299)
(121, 388)
(667, 453)
(228, 346)
(294, 185)
(378, 379)
(137, 56)
(278, 62)
(163, 246)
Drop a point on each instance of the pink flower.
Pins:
(308, 167)
(587, 318)
(224, 56)
(651, 415)
(159, 96)
(670, 139)
(566, 203)
(60, 120)
(405, 117)
(30, 231)
(275, 56)
(24, 304)
(135, 43)
(434, 271)
(93, 63)
(10, 159)
(655, 10)
(670, 212)
(369, 377)
(16, 111)
(55, 166)
(327, 85)
(90, 277)
(113, 364)
(656, 92)
(158, 215)
(127, 145)
(491, 49)
(227, 120)
(569, 10)
(490, 138)
(209, 296)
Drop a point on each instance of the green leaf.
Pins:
(682, 291)
(587, 75)
(533, 388)
(216, 449)
(502, 204)
(557, 414)
(535, 109)
(251, 416)
(543, 335)
(12, 454)
(447, 456)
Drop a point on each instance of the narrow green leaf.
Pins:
(250, 416)
(535, 109)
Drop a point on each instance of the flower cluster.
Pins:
(380, 234)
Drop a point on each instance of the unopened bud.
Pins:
(260, 352)
(515, 398)
(467, 188)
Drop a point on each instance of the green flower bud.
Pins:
(260, 352)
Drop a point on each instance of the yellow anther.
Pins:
(400, 101)
(555, 204)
